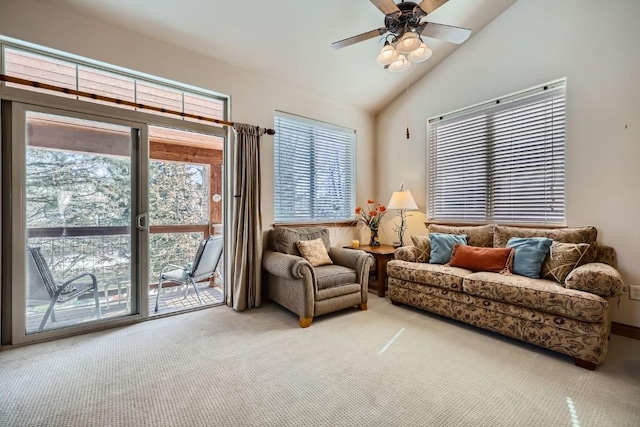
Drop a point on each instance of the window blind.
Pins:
(502, 161)
(314, 170)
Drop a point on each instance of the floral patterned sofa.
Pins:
(571, 317)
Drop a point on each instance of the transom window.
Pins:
(502, 161)
(314, 170)
(75, 74)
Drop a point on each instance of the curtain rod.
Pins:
(46, 86)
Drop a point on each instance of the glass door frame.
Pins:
(139, 235)
(12, 98)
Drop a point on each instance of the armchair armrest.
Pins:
(596, 278)
(347, 257)
(357, 260)
(406, 253)
(285, 265)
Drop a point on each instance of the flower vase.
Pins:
(374, 238)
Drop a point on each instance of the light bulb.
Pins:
(422, 53)
(400, 64)
(408, 43)
(387, 55)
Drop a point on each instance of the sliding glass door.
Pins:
(80, 227)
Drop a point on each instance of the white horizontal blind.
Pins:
(502, 161)
(314, 170)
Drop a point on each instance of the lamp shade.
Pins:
(387, 55)
(402, 200)
(408, 43)
(422, 53)
(400, 64)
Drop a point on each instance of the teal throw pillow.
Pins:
(529, 255)
(442, 246)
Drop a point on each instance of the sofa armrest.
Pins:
(596, 278)
(355, 259)
(285, 265)
(406, 253)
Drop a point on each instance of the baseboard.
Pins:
(625, 330)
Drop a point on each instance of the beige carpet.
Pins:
(386, 366)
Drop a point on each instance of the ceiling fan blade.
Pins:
(358, 38)
(447, 33)
(430, 5)
(386, 6)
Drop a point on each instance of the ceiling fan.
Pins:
(403, 26)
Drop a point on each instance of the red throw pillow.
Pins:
(474, 258)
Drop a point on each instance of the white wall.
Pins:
(593, 44)
(253, 99)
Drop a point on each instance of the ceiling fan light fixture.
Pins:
(387, 55)
(408, 43)
(400, 64)
(422, 53)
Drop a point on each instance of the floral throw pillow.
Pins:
(314, 251)
(423, 248)
(563, 257)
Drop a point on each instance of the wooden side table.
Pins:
(382, 254)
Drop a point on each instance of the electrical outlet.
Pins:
(634, 292)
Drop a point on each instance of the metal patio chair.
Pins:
(204, 266)
(43, 289)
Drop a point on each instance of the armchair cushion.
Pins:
(284, 239)
(314, 251)
(329, 276)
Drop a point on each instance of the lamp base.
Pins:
(396, 244)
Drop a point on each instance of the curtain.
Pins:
(246, 267)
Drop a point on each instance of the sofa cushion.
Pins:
(284, 239)
(562, 258)
(481, 259)
(529, 254)
(328, 276)
(480, 235)
(442, 246)
(606, 255)
(538, 294)
(423, 248)
(589, 235)
(438, 275)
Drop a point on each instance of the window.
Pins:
(314, 170)
(67, 72)
(501, 161)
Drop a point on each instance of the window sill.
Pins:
(313, 224)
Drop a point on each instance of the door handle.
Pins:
(141, 222)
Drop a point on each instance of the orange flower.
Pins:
(369, 201)
(382, 208)
(358, 209)
(373, 213)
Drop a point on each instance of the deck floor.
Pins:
(83, 311)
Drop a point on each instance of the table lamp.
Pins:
(402, 201)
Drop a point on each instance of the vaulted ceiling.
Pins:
(290, 40)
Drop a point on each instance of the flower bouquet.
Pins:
(371, 216)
